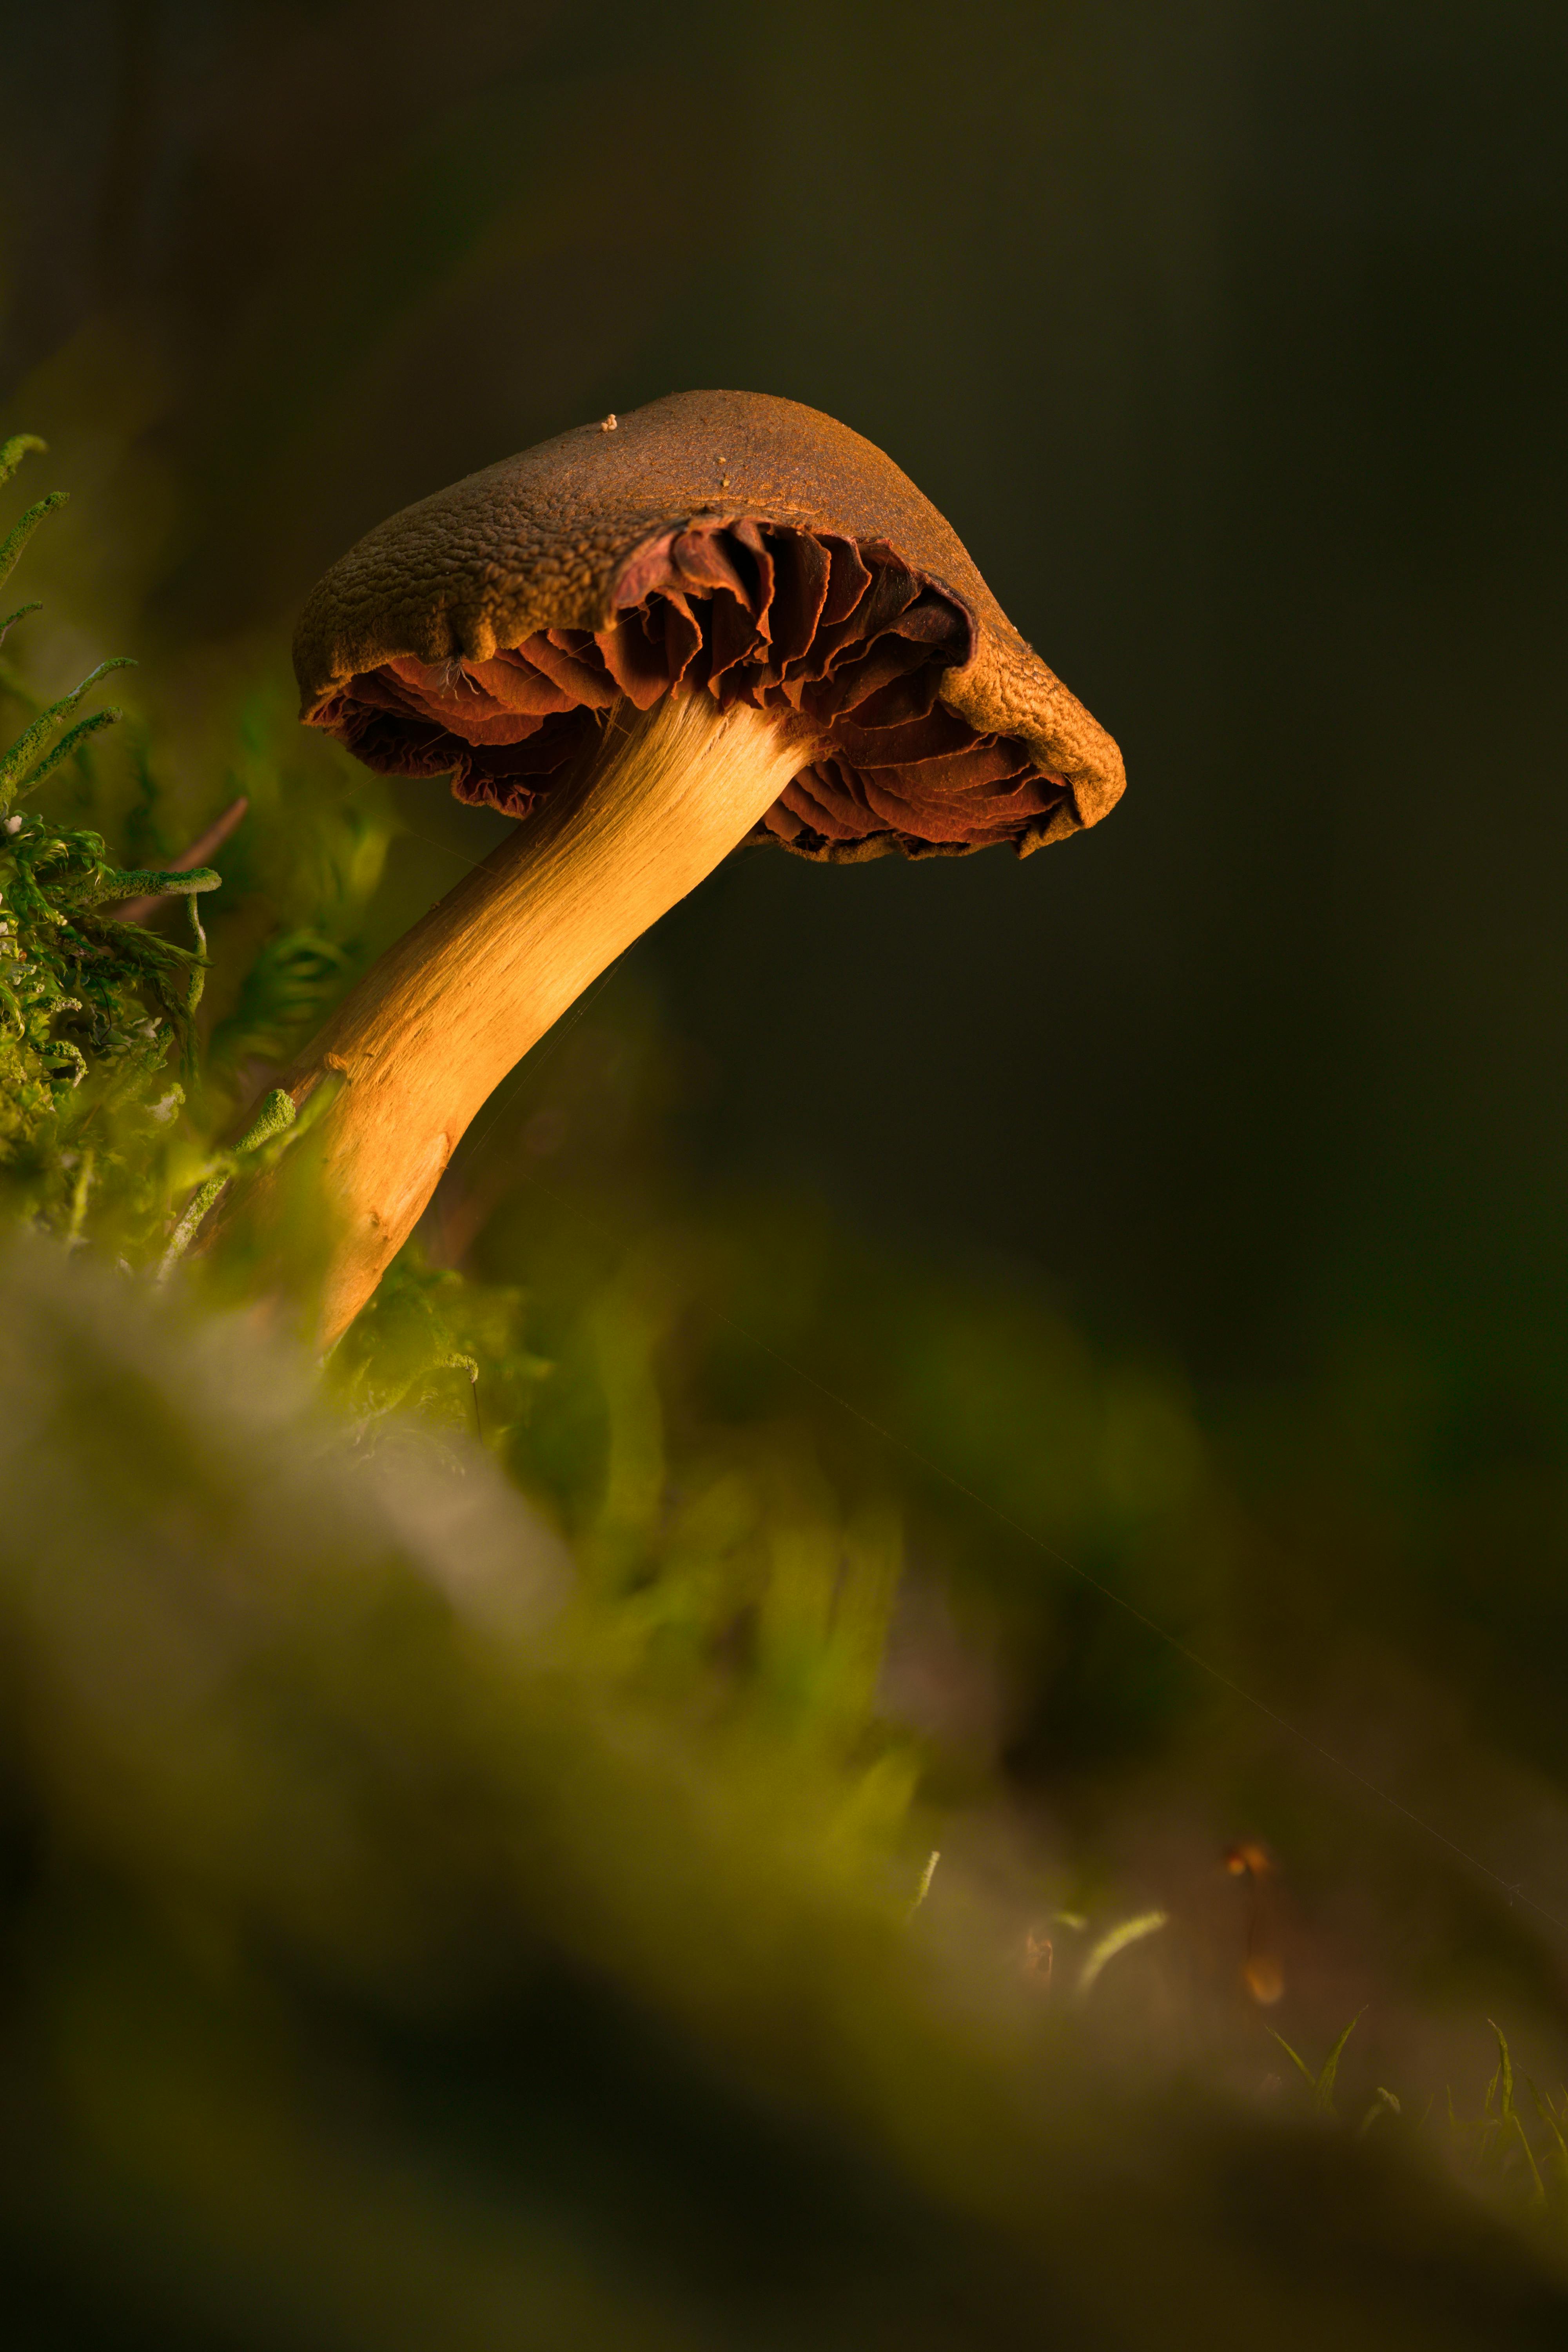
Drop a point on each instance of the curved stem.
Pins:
(435, 1025)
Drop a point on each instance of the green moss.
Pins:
(91, 1010)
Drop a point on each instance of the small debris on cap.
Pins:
(610, 423)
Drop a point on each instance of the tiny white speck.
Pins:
(610, 423)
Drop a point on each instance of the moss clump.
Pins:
(90, 1009)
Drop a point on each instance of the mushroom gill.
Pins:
(842, 643)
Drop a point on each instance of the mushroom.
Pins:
(726, 618)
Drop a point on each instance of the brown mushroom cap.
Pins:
(733, 541)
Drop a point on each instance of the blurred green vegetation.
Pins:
(394, 1953)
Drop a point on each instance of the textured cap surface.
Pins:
(552, 545)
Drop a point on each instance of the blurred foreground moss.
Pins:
(381, 1969)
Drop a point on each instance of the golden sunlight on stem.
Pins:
(435, 1025)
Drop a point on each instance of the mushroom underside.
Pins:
(841, 641)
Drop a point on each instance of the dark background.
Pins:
(1231, 339)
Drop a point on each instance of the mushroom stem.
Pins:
(438, 1021)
